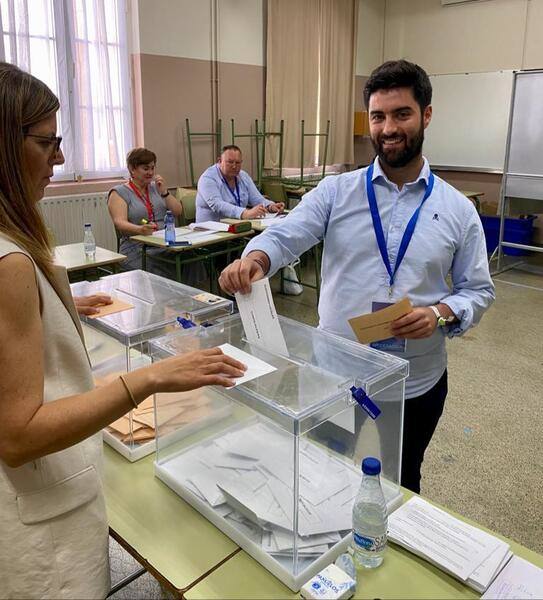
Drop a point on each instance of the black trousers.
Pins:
(421, 416)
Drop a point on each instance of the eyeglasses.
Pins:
(52, 139)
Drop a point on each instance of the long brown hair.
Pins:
(24, 101)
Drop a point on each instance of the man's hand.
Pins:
(238, 276)
(276, 207)
(256, 212)
(90, 305)
(420, 323)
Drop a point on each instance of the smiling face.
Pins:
(397, 126)
(143, 174)
(41, 155)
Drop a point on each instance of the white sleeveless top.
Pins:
(53, 525)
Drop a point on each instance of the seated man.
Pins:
(225, 191)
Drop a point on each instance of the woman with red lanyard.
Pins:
(138, 207)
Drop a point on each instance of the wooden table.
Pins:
(159, 529)
(72, 256)
(224, 243)
(402, 575)
(475, 197)
(195, 560)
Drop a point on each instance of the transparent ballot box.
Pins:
(119, 342)
(279, 473)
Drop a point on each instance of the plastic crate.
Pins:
(518, 231)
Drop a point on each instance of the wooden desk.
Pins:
(224, 243)
(402, 575)
(475, 197)
(72, 256)
(161, 531)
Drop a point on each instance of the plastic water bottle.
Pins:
(89, 243)
(169, 228)
(370, 517)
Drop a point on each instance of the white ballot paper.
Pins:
(452, 545)
(259, 318)
(519, 579)
(255, 366)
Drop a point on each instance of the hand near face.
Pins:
(160, 185)
(90, 305)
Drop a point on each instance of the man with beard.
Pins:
(391, 230)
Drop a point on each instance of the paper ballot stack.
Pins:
(466, 552)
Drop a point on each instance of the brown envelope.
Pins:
(110, 309)
(375, 326)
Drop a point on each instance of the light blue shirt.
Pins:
(448, 238)
(214, 201)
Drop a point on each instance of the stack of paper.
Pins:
(519, 579)
(464, 551)
(247, 476)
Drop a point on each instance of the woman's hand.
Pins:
(147, 229)
(161, 185)
(195, 369)
(90, 305)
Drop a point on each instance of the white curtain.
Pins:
(79, 48)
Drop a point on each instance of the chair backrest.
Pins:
(275, 191)
(188, 200)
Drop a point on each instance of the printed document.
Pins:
(519, 579)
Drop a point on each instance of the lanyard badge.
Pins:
(145, 199)
(378, 227)
(235, 192)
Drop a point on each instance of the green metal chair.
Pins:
(275, 191)
(188, 200)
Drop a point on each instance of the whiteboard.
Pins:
(470, 120)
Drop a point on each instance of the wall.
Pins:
(464, 38)
(175, 71)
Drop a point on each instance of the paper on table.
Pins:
(482, 576)
(440, 538)
(519, 579)
(259, 318)
(375, 326)
(210, 225)
(255, 366)
(110, 309)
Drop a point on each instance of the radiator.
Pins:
(67, 215)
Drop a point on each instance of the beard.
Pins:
(399, 158)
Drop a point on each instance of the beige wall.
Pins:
(175, 77)
(371, 26)
(465, 38)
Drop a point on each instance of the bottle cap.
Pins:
(371, 466)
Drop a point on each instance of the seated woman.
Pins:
(138, 207)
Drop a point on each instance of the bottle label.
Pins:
(370, 544)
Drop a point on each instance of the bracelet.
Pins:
(165, 195)
(128, 391)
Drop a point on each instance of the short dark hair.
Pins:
(230, 147)
(397, 74)
(140, 156)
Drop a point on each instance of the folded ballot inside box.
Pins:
(280, 472)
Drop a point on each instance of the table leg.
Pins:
(178, 267)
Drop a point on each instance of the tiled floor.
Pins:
(486, 458)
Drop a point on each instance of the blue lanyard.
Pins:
(378, 227)
(236, 195)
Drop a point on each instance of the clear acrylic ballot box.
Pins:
(119, 342)
(280, 473)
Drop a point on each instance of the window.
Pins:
(79, 48)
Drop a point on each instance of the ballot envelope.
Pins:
(280, 473)
(150, 306)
